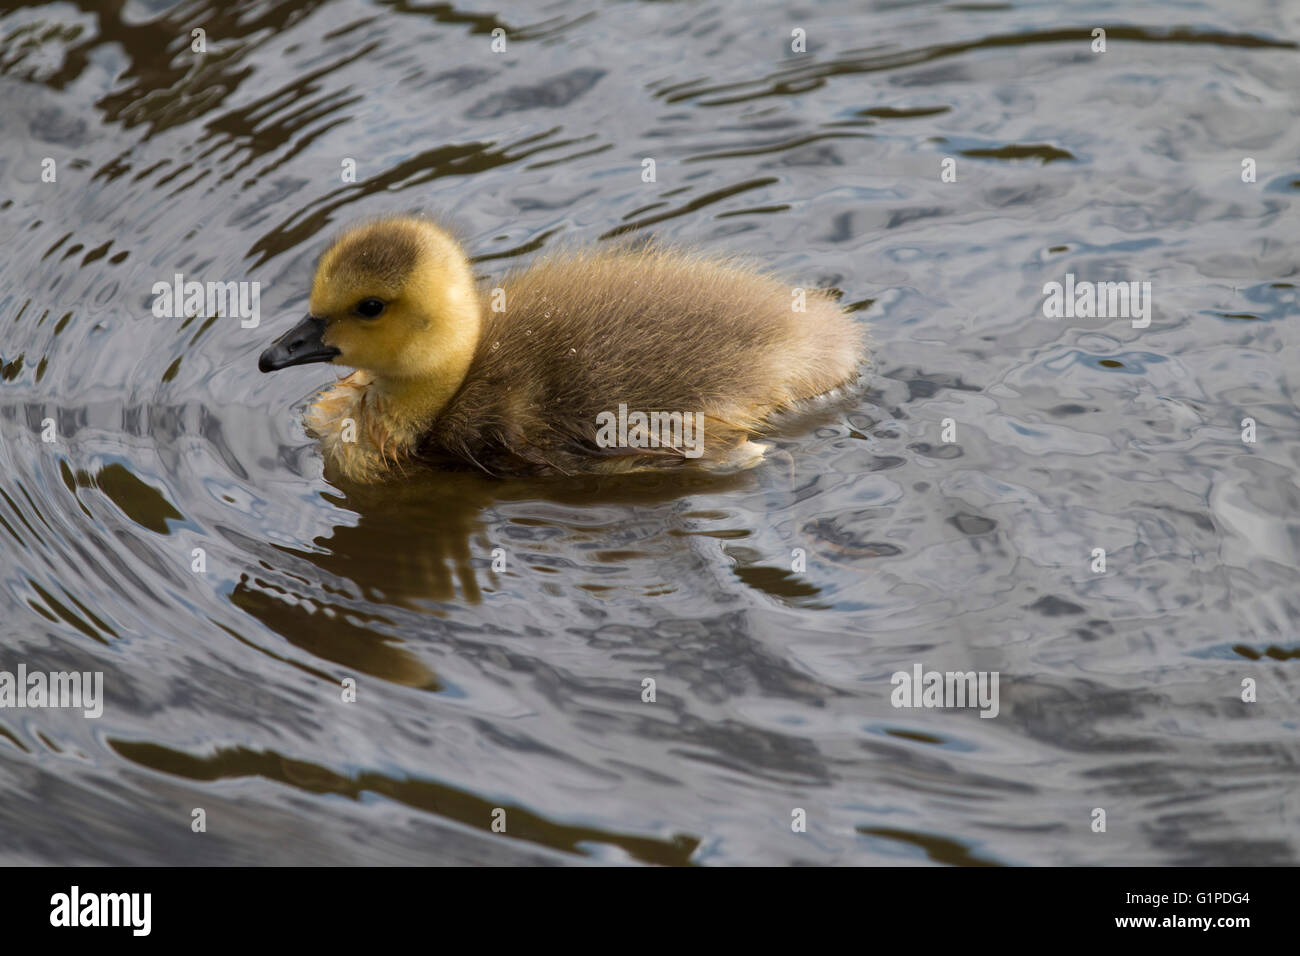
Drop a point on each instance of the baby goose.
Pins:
(528, 378)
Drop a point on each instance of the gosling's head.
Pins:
(394, 297)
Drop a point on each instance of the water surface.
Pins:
(521, 687)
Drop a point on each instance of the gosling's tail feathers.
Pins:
(825, 351)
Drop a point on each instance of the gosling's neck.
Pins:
(413, 396)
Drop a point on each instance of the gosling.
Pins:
(530, 377)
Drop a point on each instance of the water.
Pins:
(521, 688)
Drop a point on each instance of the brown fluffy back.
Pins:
(655, 329)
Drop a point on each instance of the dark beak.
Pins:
(301, 345)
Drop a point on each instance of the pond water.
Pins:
(164, 520)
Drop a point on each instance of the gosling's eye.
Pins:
(369, 308)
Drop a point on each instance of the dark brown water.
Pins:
(521, 688)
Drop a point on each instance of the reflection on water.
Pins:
(166, 522)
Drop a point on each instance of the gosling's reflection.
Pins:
(407, 549)
(412, 542)
(424, 540)
(353, 596)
